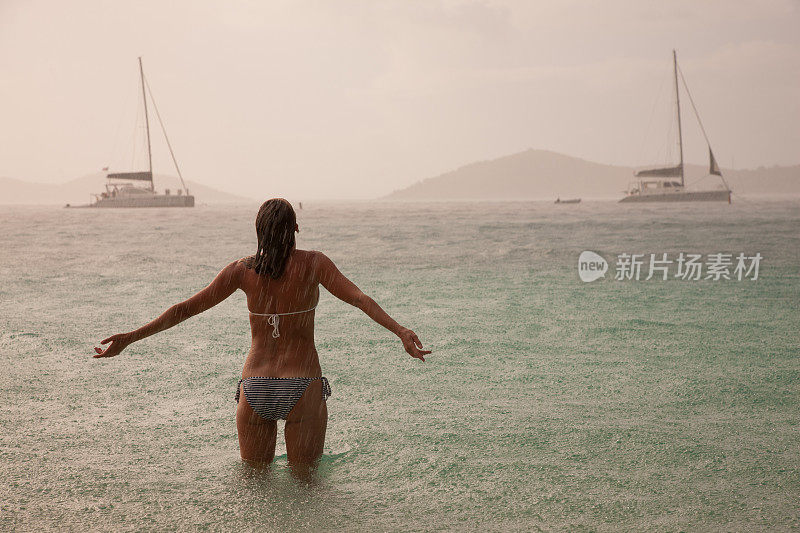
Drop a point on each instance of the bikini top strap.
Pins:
(283, 314)
(274, 320)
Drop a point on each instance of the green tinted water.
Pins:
(547, 403)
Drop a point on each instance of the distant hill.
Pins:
(77, 191)
(541, 174)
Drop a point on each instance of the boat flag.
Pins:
(105, 168)
(713, 168)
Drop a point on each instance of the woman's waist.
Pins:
(297, 362)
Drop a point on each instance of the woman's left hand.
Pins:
(118, 343)
(412, 344)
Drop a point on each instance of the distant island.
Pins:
(77, 191)
(528, 175)
(546, 175)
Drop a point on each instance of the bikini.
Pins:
(274, 398)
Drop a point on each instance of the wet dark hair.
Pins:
(275, 224)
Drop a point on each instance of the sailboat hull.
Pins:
(157, 200)
(681, 196)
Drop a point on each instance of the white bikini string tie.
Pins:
(273, 319)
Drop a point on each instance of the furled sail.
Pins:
(669, 172)
(713, 168)
(137, 176)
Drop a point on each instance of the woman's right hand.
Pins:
(118, 343)
(412, 344)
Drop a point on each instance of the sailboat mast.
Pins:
(147, 125)
(678, 107)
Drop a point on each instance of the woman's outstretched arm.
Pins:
(337, 284)
(226, 282)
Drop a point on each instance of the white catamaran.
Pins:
(121, 192)
(660, 185)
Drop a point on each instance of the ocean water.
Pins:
(547, 403)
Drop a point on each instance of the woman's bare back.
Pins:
(292, 352)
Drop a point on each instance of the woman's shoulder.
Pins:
(246, 262)
(309, 255)
(312, 259)
(244, 265)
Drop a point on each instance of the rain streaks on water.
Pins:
(546, 403)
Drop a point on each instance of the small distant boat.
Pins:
(122, 192)
(568, 201)
(660, 185)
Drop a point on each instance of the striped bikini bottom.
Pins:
(274, 398)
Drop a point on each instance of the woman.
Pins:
(282, 378)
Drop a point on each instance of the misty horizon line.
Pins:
(64, 181)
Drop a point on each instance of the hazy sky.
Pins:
(334, 99)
